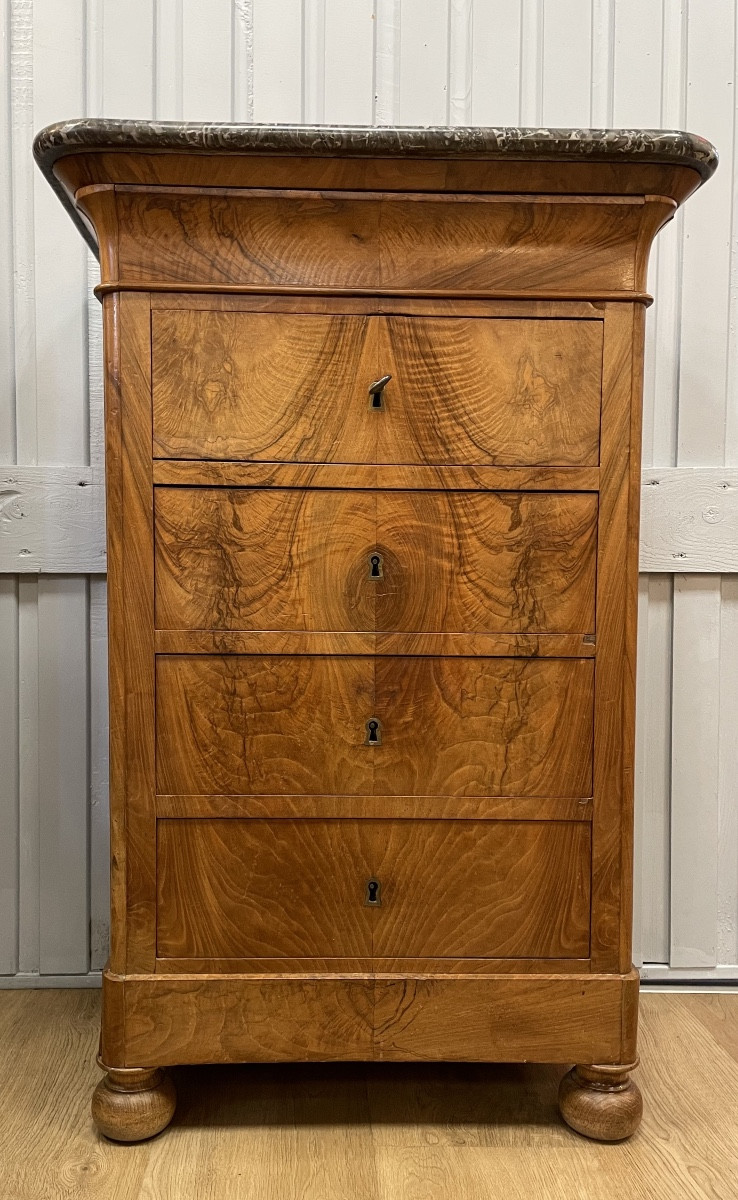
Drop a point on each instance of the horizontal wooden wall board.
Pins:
(52, 520)
(689, 520)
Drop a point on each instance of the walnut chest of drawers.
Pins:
(373, 420)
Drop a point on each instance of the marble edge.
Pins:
(636, 145)
(98, 135)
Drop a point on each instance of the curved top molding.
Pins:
(603, 145)
(92, 152)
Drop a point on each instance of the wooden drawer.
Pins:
(260, 888)
(271, 725)
(289, 559)
(295, 388)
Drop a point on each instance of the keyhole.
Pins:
(375, 566)
(376, 392)
(373, 888)
(373, 733)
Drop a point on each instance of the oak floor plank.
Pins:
(367, 1132)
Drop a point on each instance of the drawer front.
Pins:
(271, 725)
(260, 889)
(288, 559)
(295, 388)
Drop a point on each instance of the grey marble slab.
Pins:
(565, 145)
(642, 145)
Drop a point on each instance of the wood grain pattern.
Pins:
(403, 645)
(130, 1105)
(248, 889)
(371, 1130)
(414, 478)
(263, 386)
(295, 387)
(306, 301)
(403, 808)
(472, 174)
(132, 605)
(242, 1018)
(303, 560)
(115, 535)
(372, 966)
(307, 241)
(499, 771)
(505, 392)
(614, 737)
(452, 726)
(602, 1103)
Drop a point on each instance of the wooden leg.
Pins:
(601, 1102)
(131, 1104)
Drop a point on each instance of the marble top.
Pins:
(90, 135)
(602, 145)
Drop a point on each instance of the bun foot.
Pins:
(601, 1102)
(131, 1104)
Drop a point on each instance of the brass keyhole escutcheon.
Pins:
(373, 896)
(376, 566)
(376, 392)
(373, 732)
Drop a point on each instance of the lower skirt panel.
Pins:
(157, 1020)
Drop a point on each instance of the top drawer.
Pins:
(285, 387)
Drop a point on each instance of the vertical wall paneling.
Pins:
(653, 771)
(460, 62)
(63, 782)
(423, 55)
(60, 271)
(537, 62)
(243, 60)
(710, 101)
(207, 60)
(495, 70)
(9, 777)
(727, 942)
(531, 62)
(28, 777)
(278, 58)
(566, 62)
(8, 586)
(348, 63)
(386, 97)
(7, 349)
(127, 36)
(24, 329)
(727, 935)
(313, 62)
(168, 60)
(601, 65)
(637, 98)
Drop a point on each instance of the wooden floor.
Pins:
(359, 1132)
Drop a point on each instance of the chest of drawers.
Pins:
(373, 421)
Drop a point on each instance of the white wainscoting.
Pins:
(553, 62)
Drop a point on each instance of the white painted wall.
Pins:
(557, 62)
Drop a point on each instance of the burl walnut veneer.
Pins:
(373, 424)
